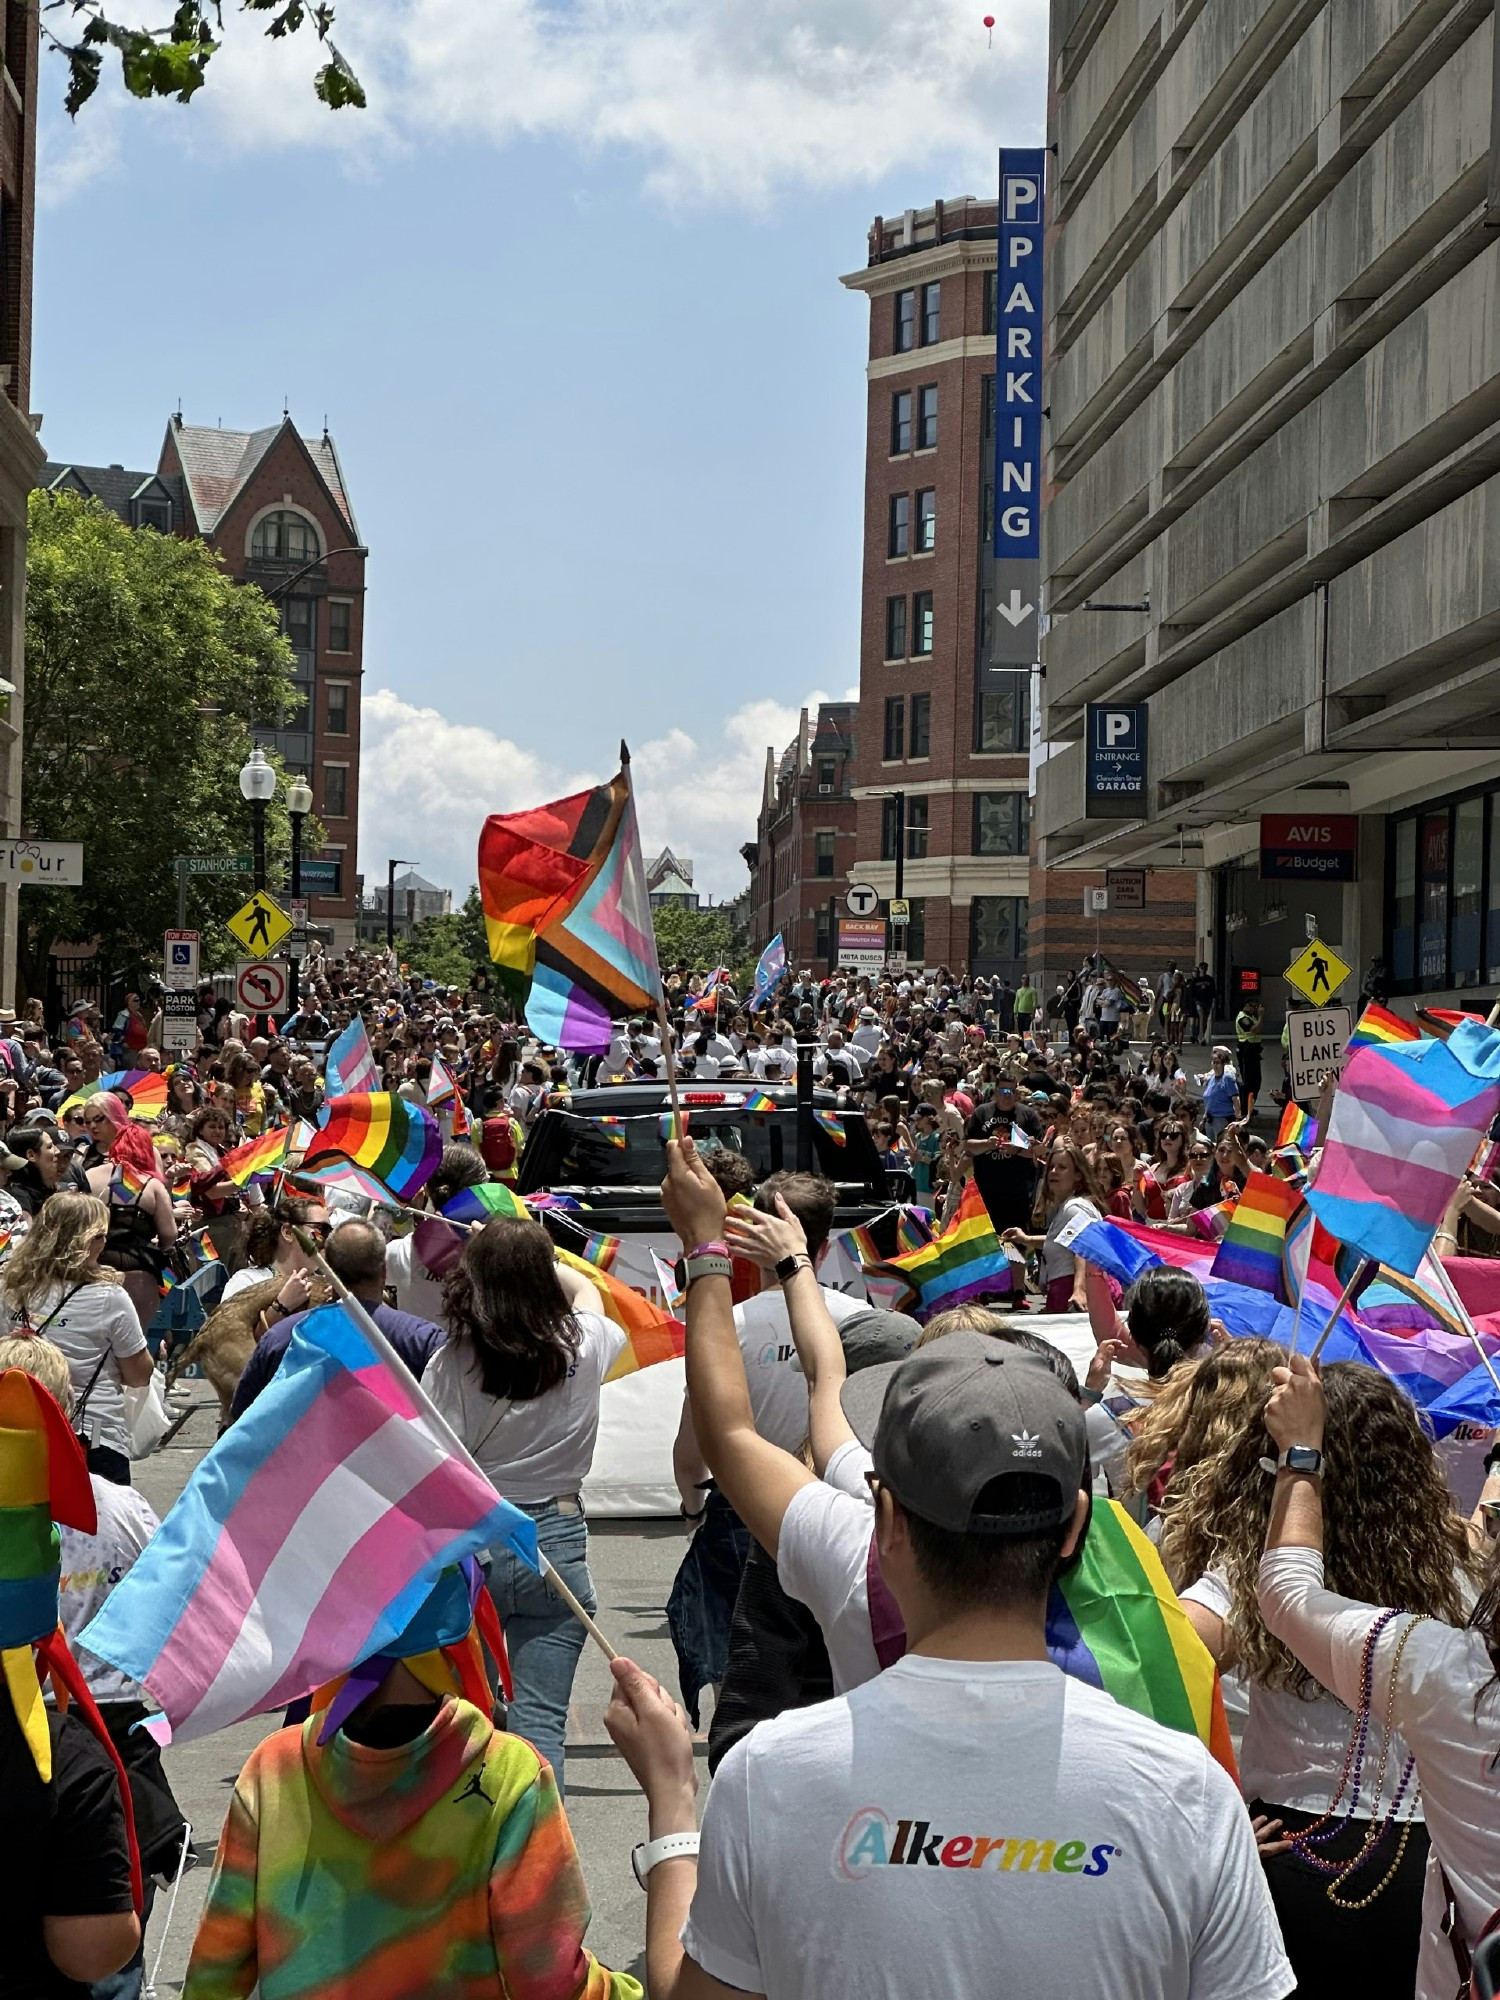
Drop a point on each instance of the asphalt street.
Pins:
(633, 1564)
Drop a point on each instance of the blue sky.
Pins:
(568, 297)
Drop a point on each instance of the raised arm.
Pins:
(766, 1240)
(756, 1477)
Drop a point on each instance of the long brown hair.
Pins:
(1391, 1535)
(504, 1297)
(1088, 1180)
(53, 1255)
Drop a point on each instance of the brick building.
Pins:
(275, 507)
(943, 762)
(803, 851)
(20, 454)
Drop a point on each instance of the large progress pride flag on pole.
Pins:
(305, 1542)
(1406, 1121)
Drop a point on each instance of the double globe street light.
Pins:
(258, 788)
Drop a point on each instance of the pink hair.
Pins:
(131, 1146)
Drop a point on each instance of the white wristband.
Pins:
(645, 1857)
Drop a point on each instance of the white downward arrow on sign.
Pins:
(1015, 611)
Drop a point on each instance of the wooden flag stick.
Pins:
(366, 1323)
(1333, 1317)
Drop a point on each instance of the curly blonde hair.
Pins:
(54, 1253)
(1391, 1535)
(1202, 1409)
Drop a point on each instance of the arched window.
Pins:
(285, 537)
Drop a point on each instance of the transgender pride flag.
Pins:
(1406, 1122)
(351, 1066)
(305, 1541)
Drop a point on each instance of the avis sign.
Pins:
(1115, 771)
(1308, 847)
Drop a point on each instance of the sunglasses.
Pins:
(1199, 1153)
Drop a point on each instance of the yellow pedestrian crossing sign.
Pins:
(1317, 972)
(260, 925)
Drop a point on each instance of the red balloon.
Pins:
(989, 20)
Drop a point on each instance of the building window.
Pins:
(986, 539)
(285, 537)
(825, 774)
(889, 809)
(904, 337)
(921, 620)
(898, 532)
(823, 853)
(900, 422)
(932, 314)
(1432, 899)
(1002, 710)
(154, 512)
(991, 311)
(338, 708)
(927, 520)
(339, 610)
(895, 628)
(895, 728)
(823, 933)
(1404, 909)
(916, 829)
(916, 930)
(921, 725)
(987, 405)
(997, 932)
(1468, 891)
(1002, 823)
(336, 790)
(299, 621)
(927, 417)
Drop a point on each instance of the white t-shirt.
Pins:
(1455, 1739)
(1056, 1259)
(822, 1559)
(1294, 1748)
(98, 1320)
(778, 1387)
(417, 1291)
(535, 1451)
(244, 1278)
(980, 1827)
(91, 1567)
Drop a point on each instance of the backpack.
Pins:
(497, 1144)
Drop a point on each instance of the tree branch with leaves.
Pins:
(172, 61)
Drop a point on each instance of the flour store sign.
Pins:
(1018, 408)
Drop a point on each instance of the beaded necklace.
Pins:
(1327, 1829)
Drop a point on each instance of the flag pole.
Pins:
(661, 994)
(367, 1325)
(1344, 1298)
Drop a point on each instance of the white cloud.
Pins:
(426, 785)
(721, 105)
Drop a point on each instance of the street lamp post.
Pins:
(390, 899)
(257, 789)
(299, 801)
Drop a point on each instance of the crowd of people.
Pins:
(880, 1513)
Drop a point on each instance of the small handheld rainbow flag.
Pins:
(664, 1126)
(600, 1251)
(966, 1261)
(833, 1125)
(1379, 1024)
(1297, 1128)
(612, 1129)
(759, 1100)
(651, 1335)
(463, 1125)
(257, 1156)
(478, 1204)
(1250, 1250)
(397, 1142)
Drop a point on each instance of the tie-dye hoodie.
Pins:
(444, 1867)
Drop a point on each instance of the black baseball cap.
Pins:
(961, 1412)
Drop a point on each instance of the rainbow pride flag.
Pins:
(651, 1335)
(1114, 1621)
(463, 1125)
(759, 1100)
(1297, 1128)
(612, 1129)
(1378, 1024)
(600, 1251)
(966, 1261)
(333, 1170)
(833, 1125)
(257, 1156)
(478, 1204)
(397, 1142)
(1250, 1250)
(147, 1088)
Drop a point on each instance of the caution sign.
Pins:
(1317, 972)
(1317, 1038)
(260, 925)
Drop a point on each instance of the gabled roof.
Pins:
(114, 486)
(216, 465)
(667, 863)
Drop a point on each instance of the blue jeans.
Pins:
(542, 1636)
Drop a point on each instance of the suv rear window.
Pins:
(591, 1159)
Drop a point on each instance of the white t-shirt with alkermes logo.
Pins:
(977, 1828)
(778, 1387)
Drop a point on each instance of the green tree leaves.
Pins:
(172, 61)
(145, 666)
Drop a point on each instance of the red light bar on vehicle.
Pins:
(706, 1097)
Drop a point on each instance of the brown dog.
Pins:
(226, 1339)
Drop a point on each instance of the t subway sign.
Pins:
(1018, 355)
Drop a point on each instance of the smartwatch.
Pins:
(790, 1266)
(645, 1855)
(1301, 1458)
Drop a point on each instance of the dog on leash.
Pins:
(226, 1340)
